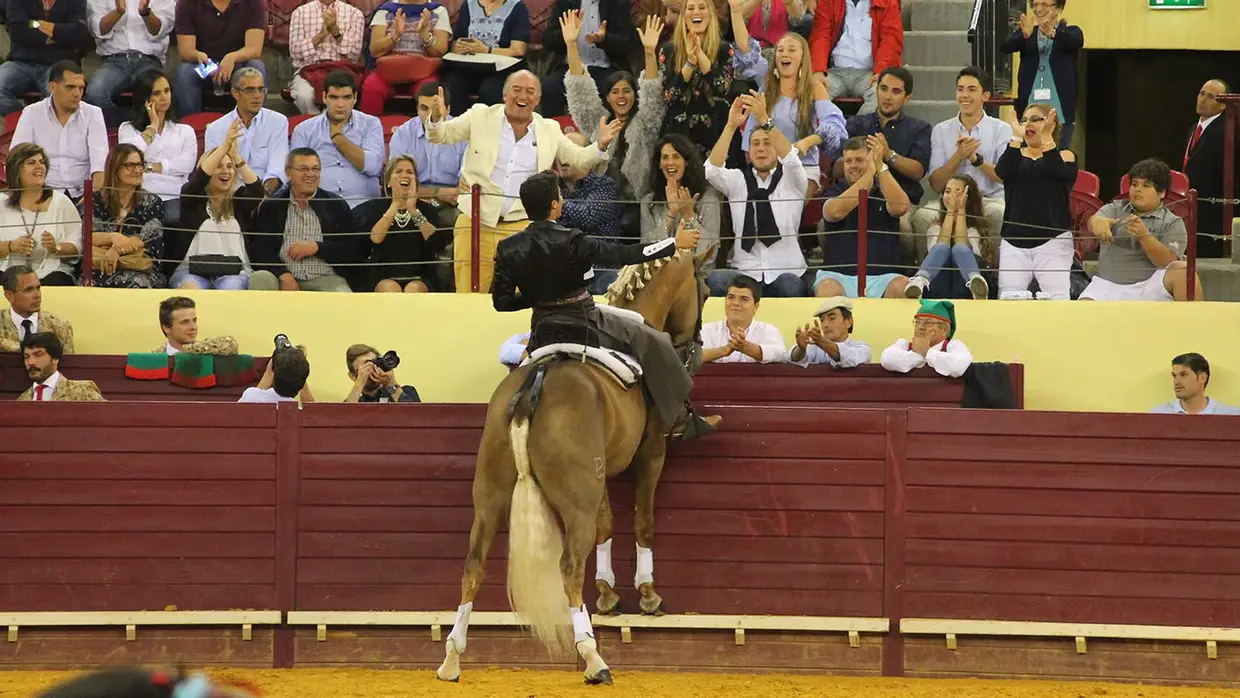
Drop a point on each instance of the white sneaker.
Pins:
(979, 288)
(916, 286)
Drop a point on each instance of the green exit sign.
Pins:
(1177, 4)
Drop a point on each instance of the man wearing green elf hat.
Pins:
(933, 343)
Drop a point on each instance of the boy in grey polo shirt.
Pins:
(1190, 374)
(1143, 243)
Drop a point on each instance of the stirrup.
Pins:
(692, 427)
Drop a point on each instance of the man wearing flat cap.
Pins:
(933, 343)
(828, 339)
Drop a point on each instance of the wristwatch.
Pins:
(144, 12)
(977, 160)
(770, 124)
(884, 169)
(891, 157)
(34, 24)
(148, 168)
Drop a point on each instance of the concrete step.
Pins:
(939, 15)
(932, 111)
(934, 82)
(941, 48)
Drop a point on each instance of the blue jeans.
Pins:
(937, 258)
(240, 282)
(786, 285)
(602, 279)
(115, 74)
(16, 79)
(187, 87)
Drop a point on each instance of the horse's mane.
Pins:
(634, 277)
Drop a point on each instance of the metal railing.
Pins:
(991, 22)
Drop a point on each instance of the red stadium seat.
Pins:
(567, 125)
(1088, 183)
(296, 119)
(390, 123)
(1179, 184)
(10, 121)
(199, 123)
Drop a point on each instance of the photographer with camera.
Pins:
(373, 377)
(285, 377)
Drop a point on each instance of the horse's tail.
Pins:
(535, 587)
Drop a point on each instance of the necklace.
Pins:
(402, 218)
(29, 226)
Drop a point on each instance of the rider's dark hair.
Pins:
(538, 193)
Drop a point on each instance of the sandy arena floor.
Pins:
(361, 683)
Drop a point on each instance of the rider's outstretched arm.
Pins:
(609, 255)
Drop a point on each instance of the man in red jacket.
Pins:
(852, 42)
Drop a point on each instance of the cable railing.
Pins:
(987, 237)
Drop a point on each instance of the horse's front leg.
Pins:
(648, 467)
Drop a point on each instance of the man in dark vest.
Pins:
(544, 268)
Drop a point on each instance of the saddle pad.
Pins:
(624, 313)
(624, 367)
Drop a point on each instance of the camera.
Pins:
(282, 343)
(388, 361)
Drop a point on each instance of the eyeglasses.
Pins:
(261, 89)
(927, 323)
(1032, 119)
(308, 170)
(132, 166)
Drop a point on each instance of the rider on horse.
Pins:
(544, 267)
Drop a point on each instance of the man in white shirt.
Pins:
(131, 38)
(933, 344)
(264, 140)
(284, 379)
(41, 355)
(739, 338)
(968, 144)
(766, 201)
(507, 144)
(828, 340)
(72, 133)
(1190, 375)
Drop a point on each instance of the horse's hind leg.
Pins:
(579, 538)
(489, 506)
(604, 577)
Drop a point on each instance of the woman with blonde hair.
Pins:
(801, 108)
(700, 69)
(39, 226)
(1038, 178)
(209, 240)
(128, 225)
(404, 244)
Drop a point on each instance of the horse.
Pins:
(589, 428)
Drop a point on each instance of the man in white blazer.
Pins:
(507, 144)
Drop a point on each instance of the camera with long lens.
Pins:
(388, 361)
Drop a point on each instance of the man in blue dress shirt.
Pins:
(349, 143)
(264, 141)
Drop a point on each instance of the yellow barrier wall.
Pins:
(1130, 24)
(1079, 356)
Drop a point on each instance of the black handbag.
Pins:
(213, 265)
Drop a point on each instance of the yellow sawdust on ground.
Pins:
(369, 683)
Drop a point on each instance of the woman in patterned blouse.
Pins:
(128, 227)
(699, 69)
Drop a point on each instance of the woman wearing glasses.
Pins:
(1037, 224)
(128, 227)
(170, 148)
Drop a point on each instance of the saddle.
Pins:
(620, 366)
(573, 337)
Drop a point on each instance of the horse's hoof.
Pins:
(443, 676)
(651, 603)
(456, 680)
(608, 603)
(603, 677)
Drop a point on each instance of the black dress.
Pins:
(404, 255)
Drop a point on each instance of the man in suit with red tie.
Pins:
(1203, 163)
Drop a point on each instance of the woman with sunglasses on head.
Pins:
(169, 147)
(39, 226)
(631, 150)
(128, 225)
(208, 240)
(1038, 178)
(679, 195)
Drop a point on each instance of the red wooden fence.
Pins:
(921, 512)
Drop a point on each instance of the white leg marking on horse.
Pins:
(645, 567)
(450, 670)
(587, 648)
(602, 563)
